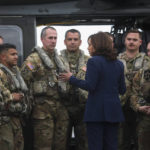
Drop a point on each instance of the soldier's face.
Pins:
(72, 41)
(90, 47)
(133, 42)
(11, 58)
(49, 40)
(148, 49)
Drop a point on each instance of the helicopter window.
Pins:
(13, 34)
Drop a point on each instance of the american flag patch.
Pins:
(30, 66)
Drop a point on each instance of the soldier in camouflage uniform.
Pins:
(13, 101)
(49, 116)
(75, 60)
(133, 61)
(141, 104)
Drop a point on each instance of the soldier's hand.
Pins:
(144, 109)
(65, 76)
(17, 96)
(148, 112)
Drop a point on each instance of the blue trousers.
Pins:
(102, 135)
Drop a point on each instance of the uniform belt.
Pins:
(42, 99)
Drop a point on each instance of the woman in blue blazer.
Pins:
(104, 81)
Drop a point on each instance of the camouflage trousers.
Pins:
(127, 135)
(50, 126)
(76, 121)
(11, 137)
(144, 133)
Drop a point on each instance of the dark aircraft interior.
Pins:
(19, 19)
(25, 15)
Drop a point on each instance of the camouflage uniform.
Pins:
(127, 131)
(12, 112)
(49, 116)
(75, 100)
(141, 97)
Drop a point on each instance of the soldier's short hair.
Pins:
(6, 47)
(43, 32)
(73, 31)
(134, 30)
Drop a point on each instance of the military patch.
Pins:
(84, 68)
(147, 75)
(30, 66)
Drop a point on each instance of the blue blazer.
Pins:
(105, 81)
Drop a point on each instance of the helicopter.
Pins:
(19, 19)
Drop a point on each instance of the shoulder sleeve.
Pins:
(5, 92)
(136, 90)
(146, 63)
(29, 67)
(141, 86)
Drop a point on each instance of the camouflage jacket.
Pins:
(12, 82)
(40, 71)
(141, 88)
(132, 66)
(76, 63)
(83, 94)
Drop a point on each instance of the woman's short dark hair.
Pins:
(103, 45)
